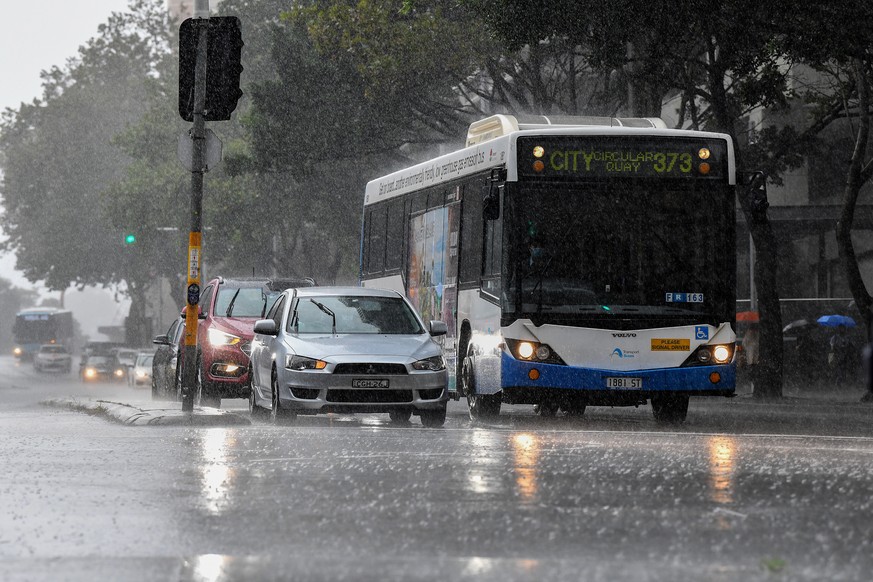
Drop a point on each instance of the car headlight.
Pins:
(119, 372)
(220, 338)
(434, 364)
(17, 351)
(90, 372)
(140, 373)
(303, 363)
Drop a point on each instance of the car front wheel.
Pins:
(255, 410)
(433, 418)
(279, 415)
(204, 398)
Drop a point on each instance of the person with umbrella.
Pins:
(840, 354)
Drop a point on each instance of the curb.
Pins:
(132, 416)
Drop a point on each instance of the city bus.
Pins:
(40, 325)
(576, 261)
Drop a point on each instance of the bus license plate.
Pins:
(627, 383)
(369, 383)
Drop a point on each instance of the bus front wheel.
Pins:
(481, 405)
(670, 409)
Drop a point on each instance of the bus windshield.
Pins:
(631, 249)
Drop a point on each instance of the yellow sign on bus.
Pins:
(670, 345)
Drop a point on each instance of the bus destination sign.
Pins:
(624, 156)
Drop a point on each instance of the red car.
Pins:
(228, 311)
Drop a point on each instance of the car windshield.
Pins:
(53, 350)
(243, 301)
(144, 360)
(98, 361)
(354, 314)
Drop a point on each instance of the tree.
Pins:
(59, 155)
(719, 61)
(833, 39)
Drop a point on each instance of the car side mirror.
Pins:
(438, 328)
(266, 327)
(161, 340)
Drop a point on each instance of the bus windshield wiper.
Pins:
(544, 270)
(232, 301)
(326, 310)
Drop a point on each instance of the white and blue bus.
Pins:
(40, 325)
(576, 261)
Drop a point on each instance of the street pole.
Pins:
(198, 135)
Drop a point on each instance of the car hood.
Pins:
(350, 347)
(239, 326)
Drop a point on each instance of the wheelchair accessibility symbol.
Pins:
(701, 332)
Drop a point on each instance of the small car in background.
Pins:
(347, 349)
(53, 358)
(127, 358)
(142, 369)
(101, 368)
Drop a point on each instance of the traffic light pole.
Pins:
(198, 135)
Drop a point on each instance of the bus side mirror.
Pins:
(491, 203)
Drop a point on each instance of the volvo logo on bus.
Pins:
(624, 335)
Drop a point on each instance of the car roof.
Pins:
(358, 291)
(271, 283)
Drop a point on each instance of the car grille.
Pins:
(246, 348)
(369, 396)
(370, 369)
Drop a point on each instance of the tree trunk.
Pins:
(854, 181)
(768, 383)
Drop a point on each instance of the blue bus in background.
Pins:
(575, 261)
(40, 325)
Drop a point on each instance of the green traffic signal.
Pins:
(129, 239)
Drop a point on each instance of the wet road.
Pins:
(611, 497)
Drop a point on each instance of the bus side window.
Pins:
(493, 251)
(471, 235)
(376, 240)
(394, 254)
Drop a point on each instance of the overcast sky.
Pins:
(34, 36)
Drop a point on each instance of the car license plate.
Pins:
(369, 383)
(626, 383)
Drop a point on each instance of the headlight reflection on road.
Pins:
(483, 475)
(217, 475)
(722, 464)
(209, 568)
(526, 450)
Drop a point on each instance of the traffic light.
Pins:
(223, 66)
(129, 238)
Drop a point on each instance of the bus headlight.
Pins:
(722, 354)
(708, 355)
(525, 350)
(529, 351)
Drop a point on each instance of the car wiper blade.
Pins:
(326, 310)
(232, 301)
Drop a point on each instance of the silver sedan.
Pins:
(347, 349)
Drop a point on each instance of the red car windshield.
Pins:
(243, 301)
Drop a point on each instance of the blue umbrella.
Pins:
(836, 320)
